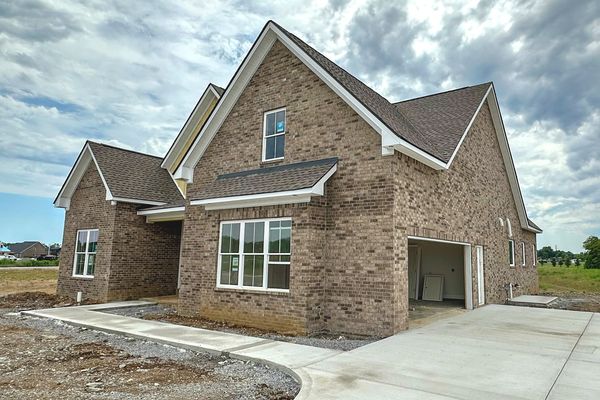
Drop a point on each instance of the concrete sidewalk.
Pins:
(495, 352)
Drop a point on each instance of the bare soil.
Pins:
(168, 313)
(44, 359)
(576, 301)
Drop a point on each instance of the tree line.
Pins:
(590, 258)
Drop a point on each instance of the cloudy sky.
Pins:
(129, 73)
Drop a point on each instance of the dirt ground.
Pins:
(576, 301)
(27, 279)
(43, 359)
(168, 313)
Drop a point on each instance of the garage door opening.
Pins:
(437, 284)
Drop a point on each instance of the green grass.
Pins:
(27, 275)
(568, 279)
(28, 263)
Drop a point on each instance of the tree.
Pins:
(592, 254)
(553, 262)
(577, 262)
(545, 253)
(561, 262)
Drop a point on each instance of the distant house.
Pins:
(4, 250)
(55, 249)
(28, 249)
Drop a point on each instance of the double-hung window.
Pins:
(523, 253)
(85, 253)
(511, 252)
(274, 128)
(255, 254)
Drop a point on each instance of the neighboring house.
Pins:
(298, 199)
(55, 249)
(28, 249)
(4, 250)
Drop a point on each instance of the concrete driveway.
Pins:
(495, 352)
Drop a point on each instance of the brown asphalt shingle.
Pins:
(268, 180)
(432, 125)
(134, 175)
(443, 117)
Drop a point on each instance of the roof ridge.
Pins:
(444, 92)
(122, 149)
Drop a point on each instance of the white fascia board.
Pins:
(201, 106)
(162, 211)
(136, 201)
(507, 157)
(237, 85)
(83, 161)
(267, 199)
(427, 239)
(487, 93)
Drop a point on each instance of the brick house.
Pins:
(298, 199)
(28, 249)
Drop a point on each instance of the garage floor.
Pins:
(495, 352)
(423, 312)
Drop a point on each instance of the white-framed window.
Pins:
(511, 252)
(534, 255)
(274, 128)
(523, 253)
(85, 253)
(255, 254)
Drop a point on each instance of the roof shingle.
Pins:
(281, 178)
(134, 175)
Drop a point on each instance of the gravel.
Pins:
(51, 350)
(168, 314)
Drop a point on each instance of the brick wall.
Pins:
(464, 204)
(88, 210)
(340, 260)
(133, 259)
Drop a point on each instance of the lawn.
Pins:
(27, 280)
(568, 279)
(28, 263)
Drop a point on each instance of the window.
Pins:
(511, 252)
(523, 253)
(247, 260)
(274, 135)
(534, 255)
(85, 253)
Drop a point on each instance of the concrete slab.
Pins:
(494, 352)
(532, 300)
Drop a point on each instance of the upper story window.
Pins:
(274, 128)
(85, 253)
(511, 252)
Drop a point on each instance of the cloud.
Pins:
(130, 72)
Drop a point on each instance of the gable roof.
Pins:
(403, 127)
(128, 176)
(443, 118)
(21, 247)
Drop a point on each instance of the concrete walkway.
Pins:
(495, 352)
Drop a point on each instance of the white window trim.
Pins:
(264, 140)
(87, 254)
(523, 254)
(534, 254)
(265, 254)
(512, 253)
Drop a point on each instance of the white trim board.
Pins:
(267, 199)
(163, 214)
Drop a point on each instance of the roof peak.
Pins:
(444, 92)
(122, 149)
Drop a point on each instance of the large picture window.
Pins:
(85, 253)
(247, 260)
(274, 128)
